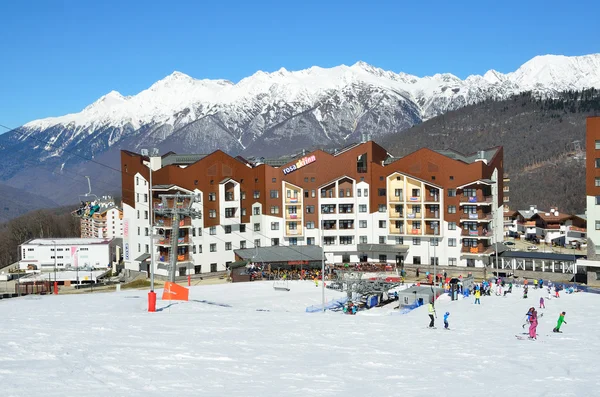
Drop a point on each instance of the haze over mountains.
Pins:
(266, 114)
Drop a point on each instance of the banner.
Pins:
(175, 292)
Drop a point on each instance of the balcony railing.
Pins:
(394, 214)
(432, 232)
(293, 216)
(481, 216)
(432, 199)
(475, 233)
(473, 250)
(432, 214)
(168, 222)
(414, 215)
(293, 200)
(476, 199)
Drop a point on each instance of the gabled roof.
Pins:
(281, 253)
(550, 217)
(486, 154)
(181, 159)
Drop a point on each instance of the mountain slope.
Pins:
(265, 114)
(537, 135)
(15, 202)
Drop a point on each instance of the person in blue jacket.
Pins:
(446, 320)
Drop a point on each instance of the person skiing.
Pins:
(556, 291)
(541, 283)
(431, 314)
(446, 320)
(533, 323)
(528, 315)
(525, 289)
(561, 320)
(542, 305)
(477, 296)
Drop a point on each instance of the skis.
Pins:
(520, 337)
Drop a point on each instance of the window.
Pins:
(199, 231)
(416, 225)
(361, 163)
(229, 212)
(137, 197)
(146, 232)
(274, 225)
(416, 241)
(451, 242)
(328, 208)
(293, 241)
(366, 192)
(306, 193)
(212, 231)
(257, 227)
(200, 249)
(362, 240)
(145, 197)
(362, 224)
(139, 247)
(451, 261)
(228, 246)
(137, 180)
(381, 192)
(451, 225)
(213, 267)
(597, 181)
(346, 208)
(451, 192)
(416, 193)
(452, 209)
(597, 225)
(274, 194)
(293, 225)
(434, 242)
(139, 231)
(358, 193)
(292, 209)
(310, 241)
(382, 224)
(416, 260)
(597, 162)
(274, 242)
(346, 240)
(243, 212)
(597, 145)
(305, 179)
(212, 196)
(312, 179)
(310, 225)
(398, 192)
(597, 200)
(256, 210)
(381, 207)
(146, 251)
(138, 214)
(383, 258)
(399, 240)
(227, 229)
(362, 208)
(228, 196)
(310, 209)
(193, 232)
(257, 243)
(273, 180)
(145, 214)
(313, 193)
(212, 213)
(341, 193)
(381, 239)
(257, 194)
(213, 247)
(451, 177)
(275, 209)
(243, 194)
(470, 192)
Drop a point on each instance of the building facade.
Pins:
(359, 203)
(69, 253)
(592, 185)
(106, 223)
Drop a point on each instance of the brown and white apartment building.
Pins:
(360, 203)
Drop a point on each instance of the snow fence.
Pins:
(334, 304)
(412, 306)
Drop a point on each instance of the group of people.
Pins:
(433, 315)
(532, 320)
(87, 209)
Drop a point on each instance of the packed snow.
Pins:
(304, 89)
(249, 340)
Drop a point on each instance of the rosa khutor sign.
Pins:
(299, 164)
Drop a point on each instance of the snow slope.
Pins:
(227, 343)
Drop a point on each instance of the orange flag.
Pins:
(174, 292)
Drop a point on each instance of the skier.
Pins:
(446, 320)
(533, 323)
(542, 305)
(556, 291)
(541, 283)
(528, 315)
(561, 320)
(525, 292)
(477, 296)
(431, 314)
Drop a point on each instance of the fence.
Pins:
(38, 287)
(334, 304)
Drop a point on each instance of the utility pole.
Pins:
(323, 270)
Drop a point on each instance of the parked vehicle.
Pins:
(532, 248)
(509, 243)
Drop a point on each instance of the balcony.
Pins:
(396, 199)
(346, 209)
(476, 233)
(472, 250)
(414, 215)
(172, 204)
(552, 227)
(432, 199)
(393, 214)
(346, 226)
(414, 231)
(432, 232)
(168, 223)
(476, 199)
(396, 230)
(414, 199)
(432, 214)
(481, 216)
(293, 216)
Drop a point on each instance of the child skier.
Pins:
(525, 292)
(561, 320)
(533, 323)
(446, 320)
(556, 291)
(477, 296)
(542, 305)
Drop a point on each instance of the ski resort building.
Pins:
(592, 185)
(106, 223)
(359, 203)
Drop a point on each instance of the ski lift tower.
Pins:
(177, 206)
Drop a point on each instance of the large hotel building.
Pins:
(592, 186)
(359, 203)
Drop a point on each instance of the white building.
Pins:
(69, 253)
(105, 223)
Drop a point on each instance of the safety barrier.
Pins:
(334, 304)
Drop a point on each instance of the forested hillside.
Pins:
(539, 138)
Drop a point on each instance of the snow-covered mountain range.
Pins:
(273, 113)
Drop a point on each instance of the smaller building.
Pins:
(107, 222)
(558, 228)
(283, 257)
(69, 253)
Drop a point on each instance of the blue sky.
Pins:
(59, 56)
